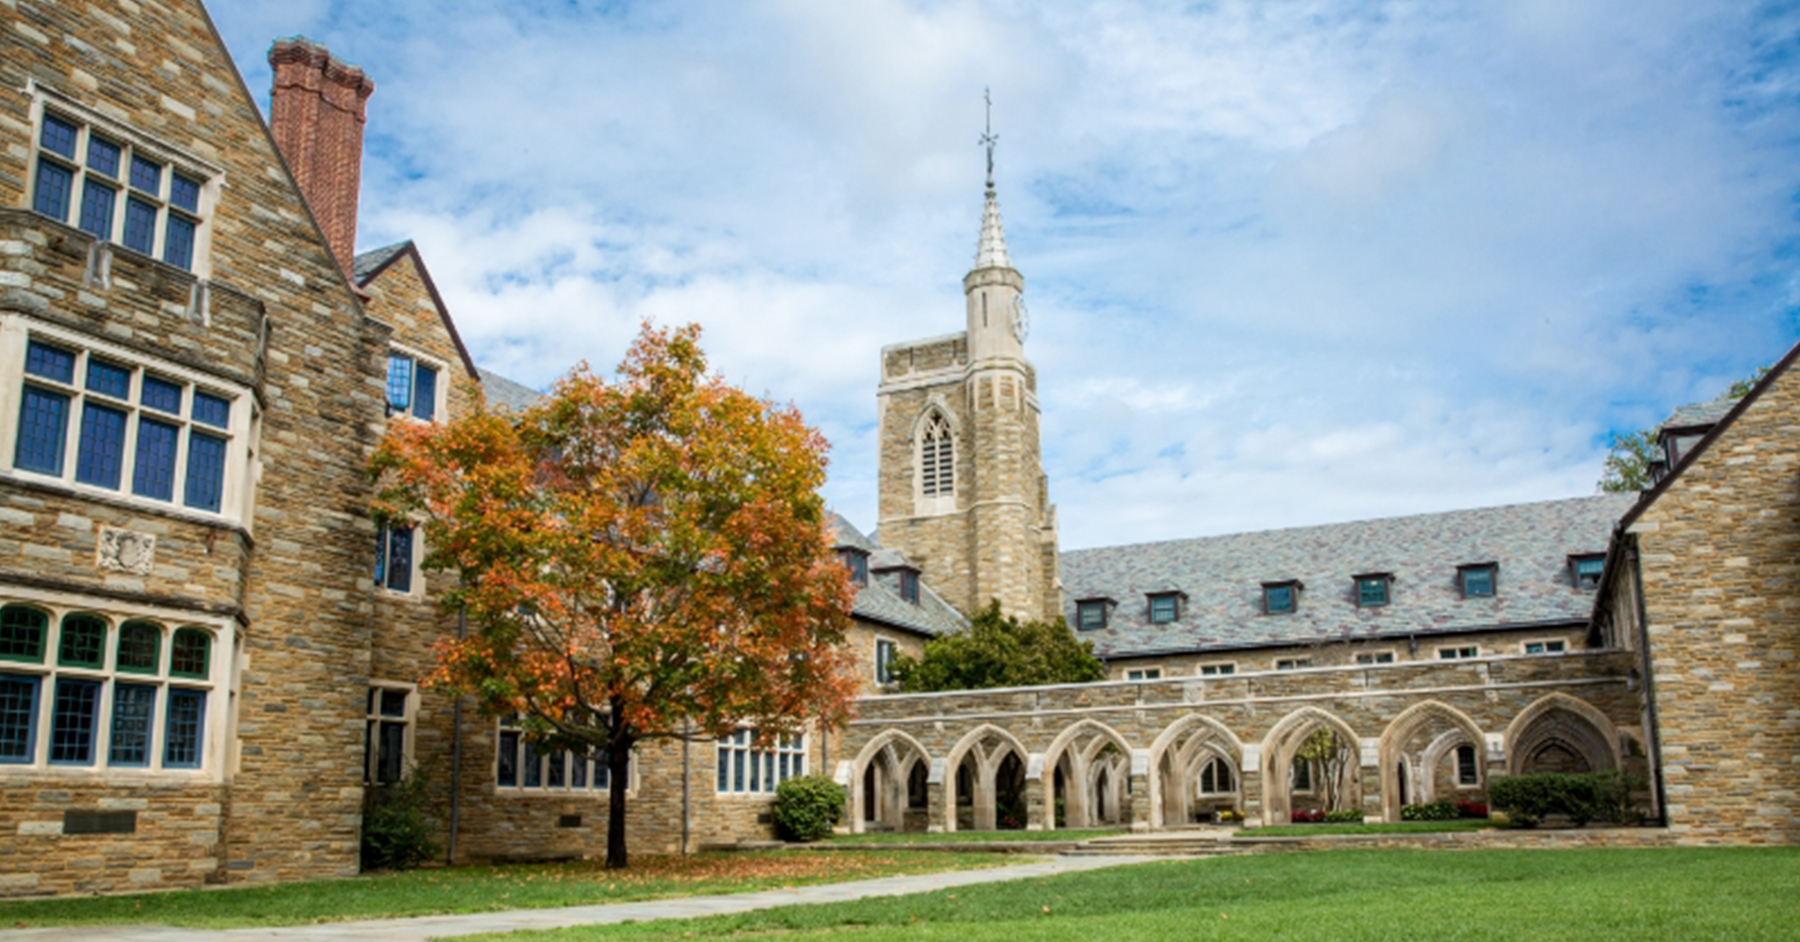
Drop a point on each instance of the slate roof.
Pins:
(1223, 578)
(370, 262)
(1700, 413)
(505, 392)
(880, 600)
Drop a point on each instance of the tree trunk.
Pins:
(618, 767)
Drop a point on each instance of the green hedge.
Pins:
(1590, 796)
(1343, 816)
(1434, 811)
(807, 807)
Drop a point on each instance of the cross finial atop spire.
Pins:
(988, 137)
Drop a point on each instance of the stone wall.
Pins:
(1344, 653)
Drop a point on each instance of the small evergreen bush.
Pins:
(1585, 797)
(1433, 811)
(1343, 816)
(396, 830)
(807, 807)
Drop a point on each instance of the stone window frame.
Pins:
(940, 500)
(1459, 652)
(376, 717)
(884, 661)
(415, 590)
(1144, 673)
(133, 142)
(1216, 669)
(729, 781)
(591, 772)
(17, 332)
(1562, 646)
(1473, 781)
(1373, 658)
(440, 401)
(217, 731)
(1221, 767)
(1293, 663)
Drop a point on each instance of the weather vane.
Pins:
(988, 137)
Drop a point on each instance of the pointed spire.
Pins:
(990, 250)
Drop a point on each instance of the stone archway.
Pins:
(1413, 745)
(1559, 733)
(971, 788)
(880, 780)
(1180, 759)
(1070, 798)
(1336, 782)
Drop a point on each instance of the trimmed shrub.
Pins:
(807, 807)
(396, 831)
(1343, 816)
(1590, 796)
(1471, 809)
(1434, 811)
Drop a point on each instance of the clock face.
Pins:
(1021, 321)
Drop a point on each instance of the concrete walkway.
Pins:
(434, 927)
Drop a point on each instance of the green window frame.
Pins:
(190, 654)
(83, 642)
(22, 633)
(139, 648)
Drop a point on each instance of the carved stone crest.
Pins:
(126, 550)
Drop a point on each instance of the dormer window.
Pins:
(1090, 614)
(1374, 589)
(1585, 570)
(857, 562)
(1478, 581)
(1281, 598)
(1165, 608)
(909, 586)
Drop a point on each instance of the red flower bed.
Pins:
(1471, 809)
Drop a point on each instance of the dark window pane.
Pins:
(58, 137)
(1279, 598)
(102, 451)
(1162, 609)
(578, 772)
(205, 471)
(72, 724)
(399, 382)
(139, 644)
(161, 395)
(724, 768)
(393, 703)
(18, 717)
(97, 201)
(83, 642)
(603, 772)
(140, 226)
(146, 175)
(1371, 592)
(153, 472)
(54, 186)
(506, 769)
(108, 379)
(393, 751)
(184, 192)
(178, 242)
(425, 393)
(555, 766)
(43, 423)
(103, 156)
(737, 765)
(534, 767)
(1478, 582)
(22, 632)
(188, 655)
(187, 712)
(53, 363)
(399, 559)
(133, 707)
(212, 410)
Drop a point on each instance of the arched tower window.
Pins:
(937, 458)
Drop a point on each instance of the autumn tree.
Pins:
(999, 651)
(642, 559)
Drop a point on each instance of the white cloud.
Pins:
(1289, 262)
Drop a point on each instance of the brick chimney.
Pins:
(317, 110)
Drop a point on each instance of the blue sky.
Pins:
(1288, 262)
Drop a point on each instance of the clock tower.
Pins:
(962, 486)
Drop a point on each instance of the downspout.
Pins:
(1655, 731)
(687, 729)
(456, 712)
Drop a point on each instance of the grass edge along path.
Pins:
(1380, 827)
(1574, 895)
(479, 889)
(902, 838)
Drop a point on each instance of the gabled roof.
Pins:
(369, 265)
(505, 392)
(1223, 577)
(1699, 413)
(880, 600)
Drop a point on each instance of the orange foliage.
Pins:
(640, 559)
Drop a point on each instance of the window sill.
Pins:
(110, 774)
(592, 794)
(100, 495)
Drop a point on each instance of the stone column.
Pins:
(1038, 810)
(940, 817)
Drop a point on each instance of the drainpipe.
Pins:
(687, 729)
(462, 630)
(1648, 661)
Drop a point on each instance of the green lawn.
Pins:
(484, 889)
(1393, 827)
(1588, 895)
(960, 837)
